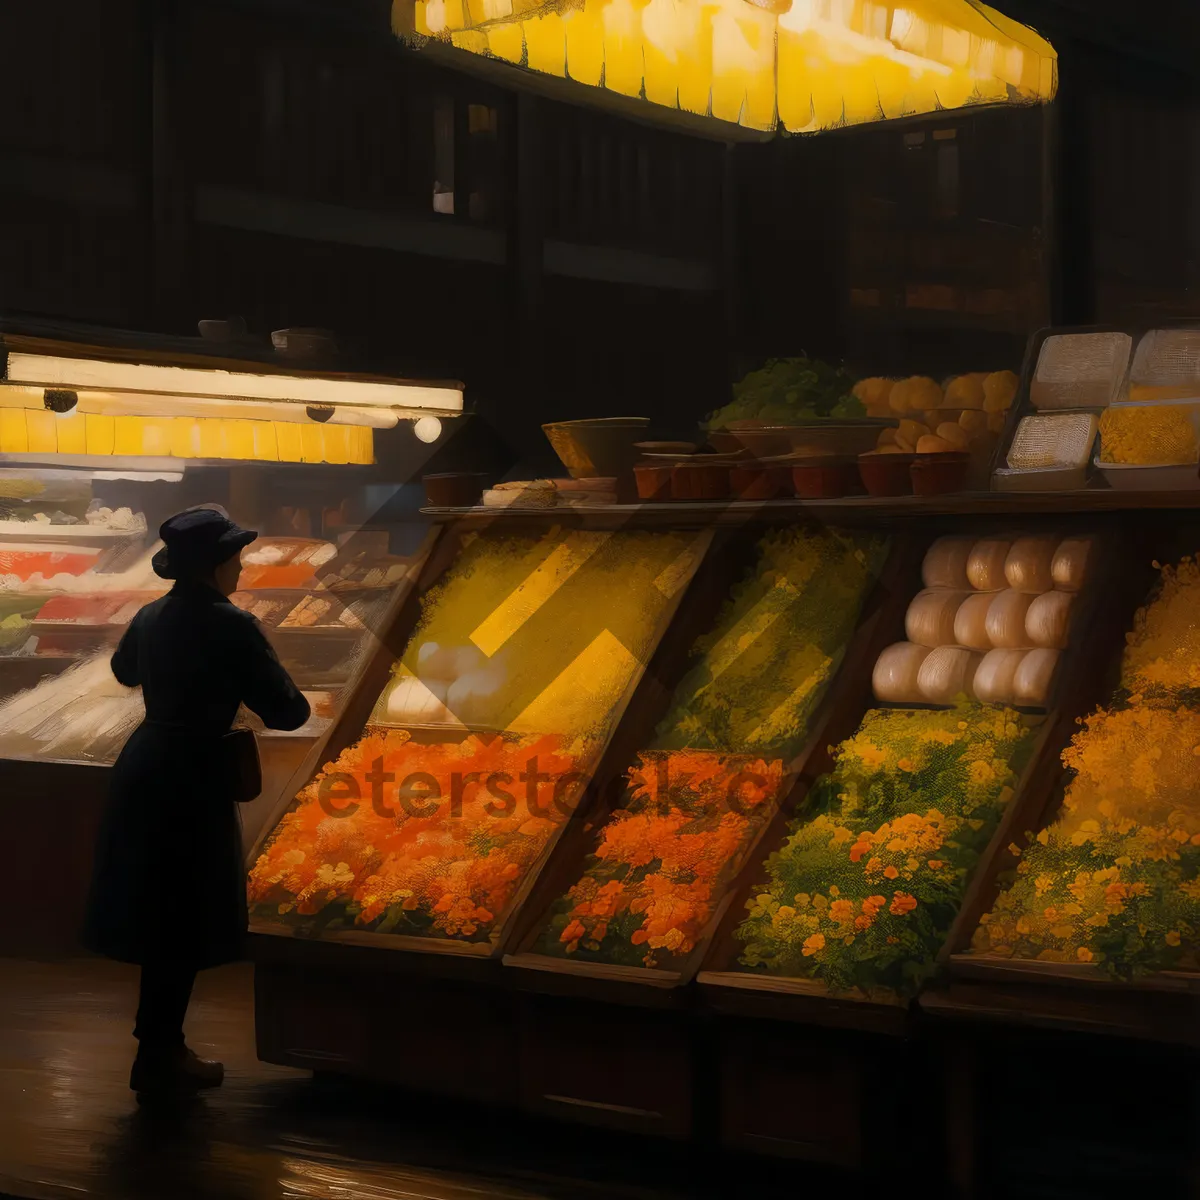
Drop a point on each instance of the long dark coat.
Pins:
(169, 879)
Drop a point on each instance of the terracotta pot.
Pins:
(825, 478)
(699, 481)
(937, 474)
(653, 483)
(759, 483)
(455, 489)
(886, 474)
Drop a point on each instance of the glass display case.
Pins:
(101, 439)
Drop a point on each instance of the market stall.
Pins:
(100, 441)
(806, 776)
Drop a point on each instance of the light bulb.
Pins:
(427, 429)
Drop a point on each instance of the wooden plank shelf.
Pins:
(847, 510)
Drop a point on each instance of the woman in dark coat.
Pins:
(168, 889)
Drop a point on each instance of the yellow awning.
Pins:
(803, 65)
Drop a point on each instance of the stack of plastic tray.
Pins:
(1150, 437)
(1075, 377)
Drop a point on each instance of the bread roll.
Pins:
(894, 679)
(1006, 619)
(947, 673)
(930, 617)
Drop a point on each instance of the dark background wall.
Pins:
(168, 160)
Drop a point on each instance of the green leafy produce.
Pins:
(759, 675)
(790, 391)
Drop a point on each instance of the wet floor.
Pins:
(71, 1127)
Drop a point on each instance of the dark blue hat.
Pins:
(197, 541)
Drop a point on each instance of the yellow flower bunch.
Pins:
(1115, 880)
(1139, 763)
(1164, 647)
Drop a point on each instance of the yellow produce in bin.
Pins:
(1150, 434)
(918, 394)
(967, 391)
(999, 391)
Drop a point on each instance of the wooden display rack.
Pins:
(318, 1002)
(750, 1062)
(782, 1044)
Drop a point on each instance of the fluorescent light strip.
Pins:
(145, 404)
(74, 373)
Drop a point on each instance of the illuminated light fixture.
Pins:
(80, 374)
(172, 429)
(65, 403)
(427, 429)
(800, 65)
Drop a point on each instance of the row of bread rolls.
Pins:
(1010, 619)
(907, 673)
(939, 433)
(1027, 564)
(989, 392)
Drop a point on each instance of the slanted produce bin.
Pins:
(444, 789)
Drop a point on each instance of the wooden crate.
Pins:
(373, 1014)
(607, 1064)
(791, 1092)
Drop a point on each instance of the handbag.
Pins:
(241, 766)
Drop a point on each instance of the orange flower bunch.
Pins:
(430, 840)
(664, 858)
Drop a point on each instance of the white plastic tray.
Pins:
(1132, 477)
(1040, 479)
